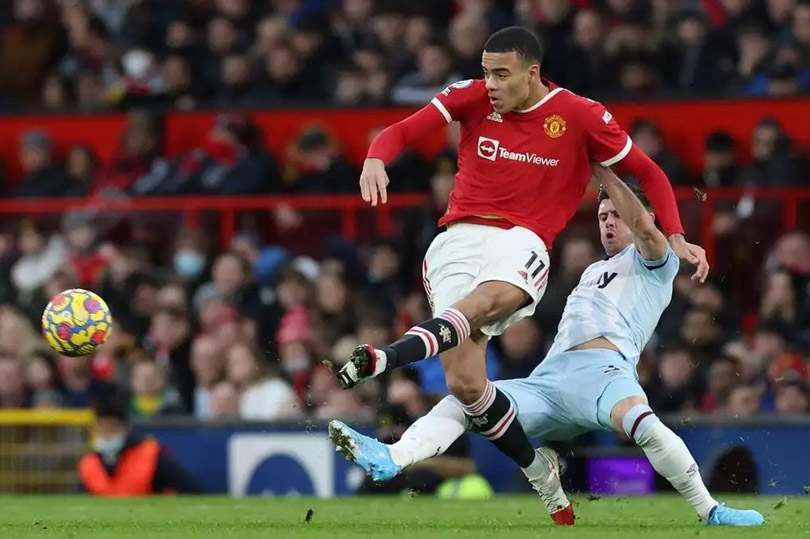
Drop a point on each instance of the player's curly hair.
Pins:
(603, 195)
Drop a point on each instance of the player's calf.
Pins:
(494, 417)
(666, 452)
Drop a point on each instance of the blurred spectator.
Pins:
(724, 375)
(779, 300)
(57, 93)
(468, 32)
(636, 74)
(41, 256)
(519, 349)
(150, 395)
(755, 53)
(89, 264)
(170, 343)
(434, 74)
(114, 53)
(405, 392)
(28, 49)
(44, 177)
(744, 401)
(236, 80)
(800, 31)
(315, 165)
(719, 160)
(587, 67)
(674, 390)
(81, 387)
(81, 165)
(90, 50)
(350, 87)
(17, 335)
(179, 90)
(230, 161)
(14, 392)
(264, 395)
(792, 398)
(698, 59)
(137, 153)
(224, 401)
(41, 378)
(773, 161)
(208, 364)
(124, 463)
(647, 136)
(283, 77)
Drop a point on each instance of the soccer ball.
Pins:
(76, 322)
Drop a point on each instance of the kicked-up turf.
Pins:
(395, 517)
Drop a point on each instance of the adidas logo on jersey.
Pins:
(495, 117)
(490, 149)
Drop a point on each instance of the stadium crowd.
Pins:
(100, 54)
(239, 331)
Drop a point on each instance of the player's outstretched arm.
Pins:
(649, 241)
(387, 146)
(658, 189)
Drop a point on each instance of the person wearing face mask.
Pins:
(189, 264)
(125, 464)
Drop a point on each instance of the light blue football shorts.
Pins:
(572, 393)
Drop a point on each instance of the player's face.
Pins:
(613, 232)
(509, 79)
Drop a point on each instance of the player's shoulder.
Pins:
(669, 262)
(582, 105)
(467, 88)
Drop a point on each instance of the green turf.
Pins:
(412, 518)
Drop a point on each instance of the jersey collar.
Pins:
(553, 90)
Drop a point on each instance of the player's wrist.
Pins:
(676, 238)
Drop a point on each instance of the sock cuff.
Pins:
(481, 405)
(499, 429)
(458, 321)
(637, 420)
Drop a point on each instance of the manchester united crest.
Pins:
(554, 126)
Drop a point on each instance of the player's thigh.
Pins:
(450, 266)
(517, 257)
(593, 381)
(533, 399)
(618, 397)
(465, 368)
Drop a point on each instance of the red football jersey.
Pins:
(531, 167)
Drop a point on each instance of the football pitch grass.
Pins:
(421, 517)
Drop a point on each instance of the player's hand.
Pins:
(374, 181)
(694, 254)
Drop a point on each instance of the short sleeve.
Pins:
(457, 100)
(607, 142)
(662, 270)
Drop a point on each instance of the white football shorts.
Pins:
(466, 255)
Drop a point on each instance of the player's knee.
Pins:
(638, 420)
(620, 409)
(490, 301)
(467, 389)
